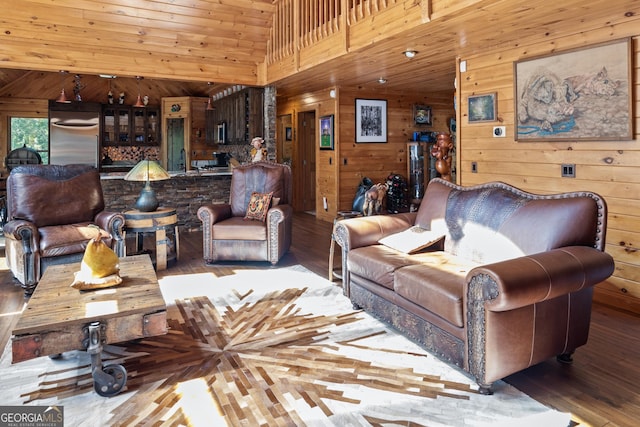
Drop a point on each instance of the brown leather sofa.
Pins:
(228, 236)
(52, 214)
(507, 284)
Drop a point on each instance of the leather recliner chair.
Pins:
(53, 211)
(228, 235)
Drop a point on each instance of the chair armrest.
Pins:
(527, 280)
(353, 233)
(210, 214)
(113, 223)
(279, 225)
(279, 213)
(20, 229)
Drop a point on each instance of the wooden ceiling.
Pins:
(180, 45)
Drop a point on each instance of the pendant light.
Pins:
(139, 102)
(63, 96)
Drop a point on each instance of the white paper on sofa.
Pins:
(411, 240)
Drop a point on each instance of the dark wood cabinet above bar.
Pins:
(240, 114)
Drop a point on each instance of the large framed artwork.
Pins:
(579, 95)
(326, 132)
(371, 120)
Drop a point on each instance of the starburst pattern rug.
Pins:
(274, 347)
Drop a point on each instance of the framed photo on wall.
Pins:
(422, 115)
(288, 133)
(326, 133)
(582, 94)
(482, 108)
(371, 120)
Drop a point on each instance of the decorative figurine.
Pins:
(110, 97)
(440, 151)
(121, 98)
(258, 152)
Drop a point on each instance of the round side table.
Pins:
(158, 222)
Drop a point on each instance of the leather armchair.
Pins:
(228, 236)
(53, 211)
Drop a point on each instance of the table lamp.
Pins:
(147, 170)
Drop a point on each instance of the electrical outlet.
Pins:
(474, 167)
(499, 131)
(568, 170)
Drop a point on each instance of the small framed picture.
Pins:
(422, 115)
(371, 120)
(288, 134)
(482, 108)
(326, 132)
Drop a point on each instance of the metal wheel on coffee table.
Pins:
(110, 380)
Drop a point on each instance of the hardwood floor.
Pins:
(599, 389)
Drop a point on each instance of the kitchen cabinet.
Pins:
(127, 125)
(145, 126)
(241, 116)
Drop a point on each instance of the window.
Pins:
(31, 132)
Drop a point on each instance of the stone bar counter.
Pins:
(185, 192)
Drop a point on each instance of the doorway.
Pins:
(176, 156)
(307, 161)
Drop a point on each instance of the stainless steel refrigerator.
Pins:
(73, 134)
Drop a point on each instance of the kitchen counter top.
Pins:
(221, 171)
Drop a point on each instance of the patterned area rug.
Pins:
(280, 346)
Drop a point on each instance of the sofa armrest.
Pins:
(353, 233)
(531, 279)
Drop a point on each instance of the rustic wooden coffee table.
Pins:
(60, 318)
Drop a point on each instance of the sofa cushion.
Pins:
(377, 263)
(237, 228)
(62, 240)
(436, 284)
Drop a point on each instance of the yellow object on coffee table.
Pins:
(99, 267)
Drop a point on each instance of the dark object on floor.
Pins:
(397, 194)
(358, 200)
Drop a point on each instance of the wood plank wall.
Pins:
(609, 168)
(378, 160)
(339, 171)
